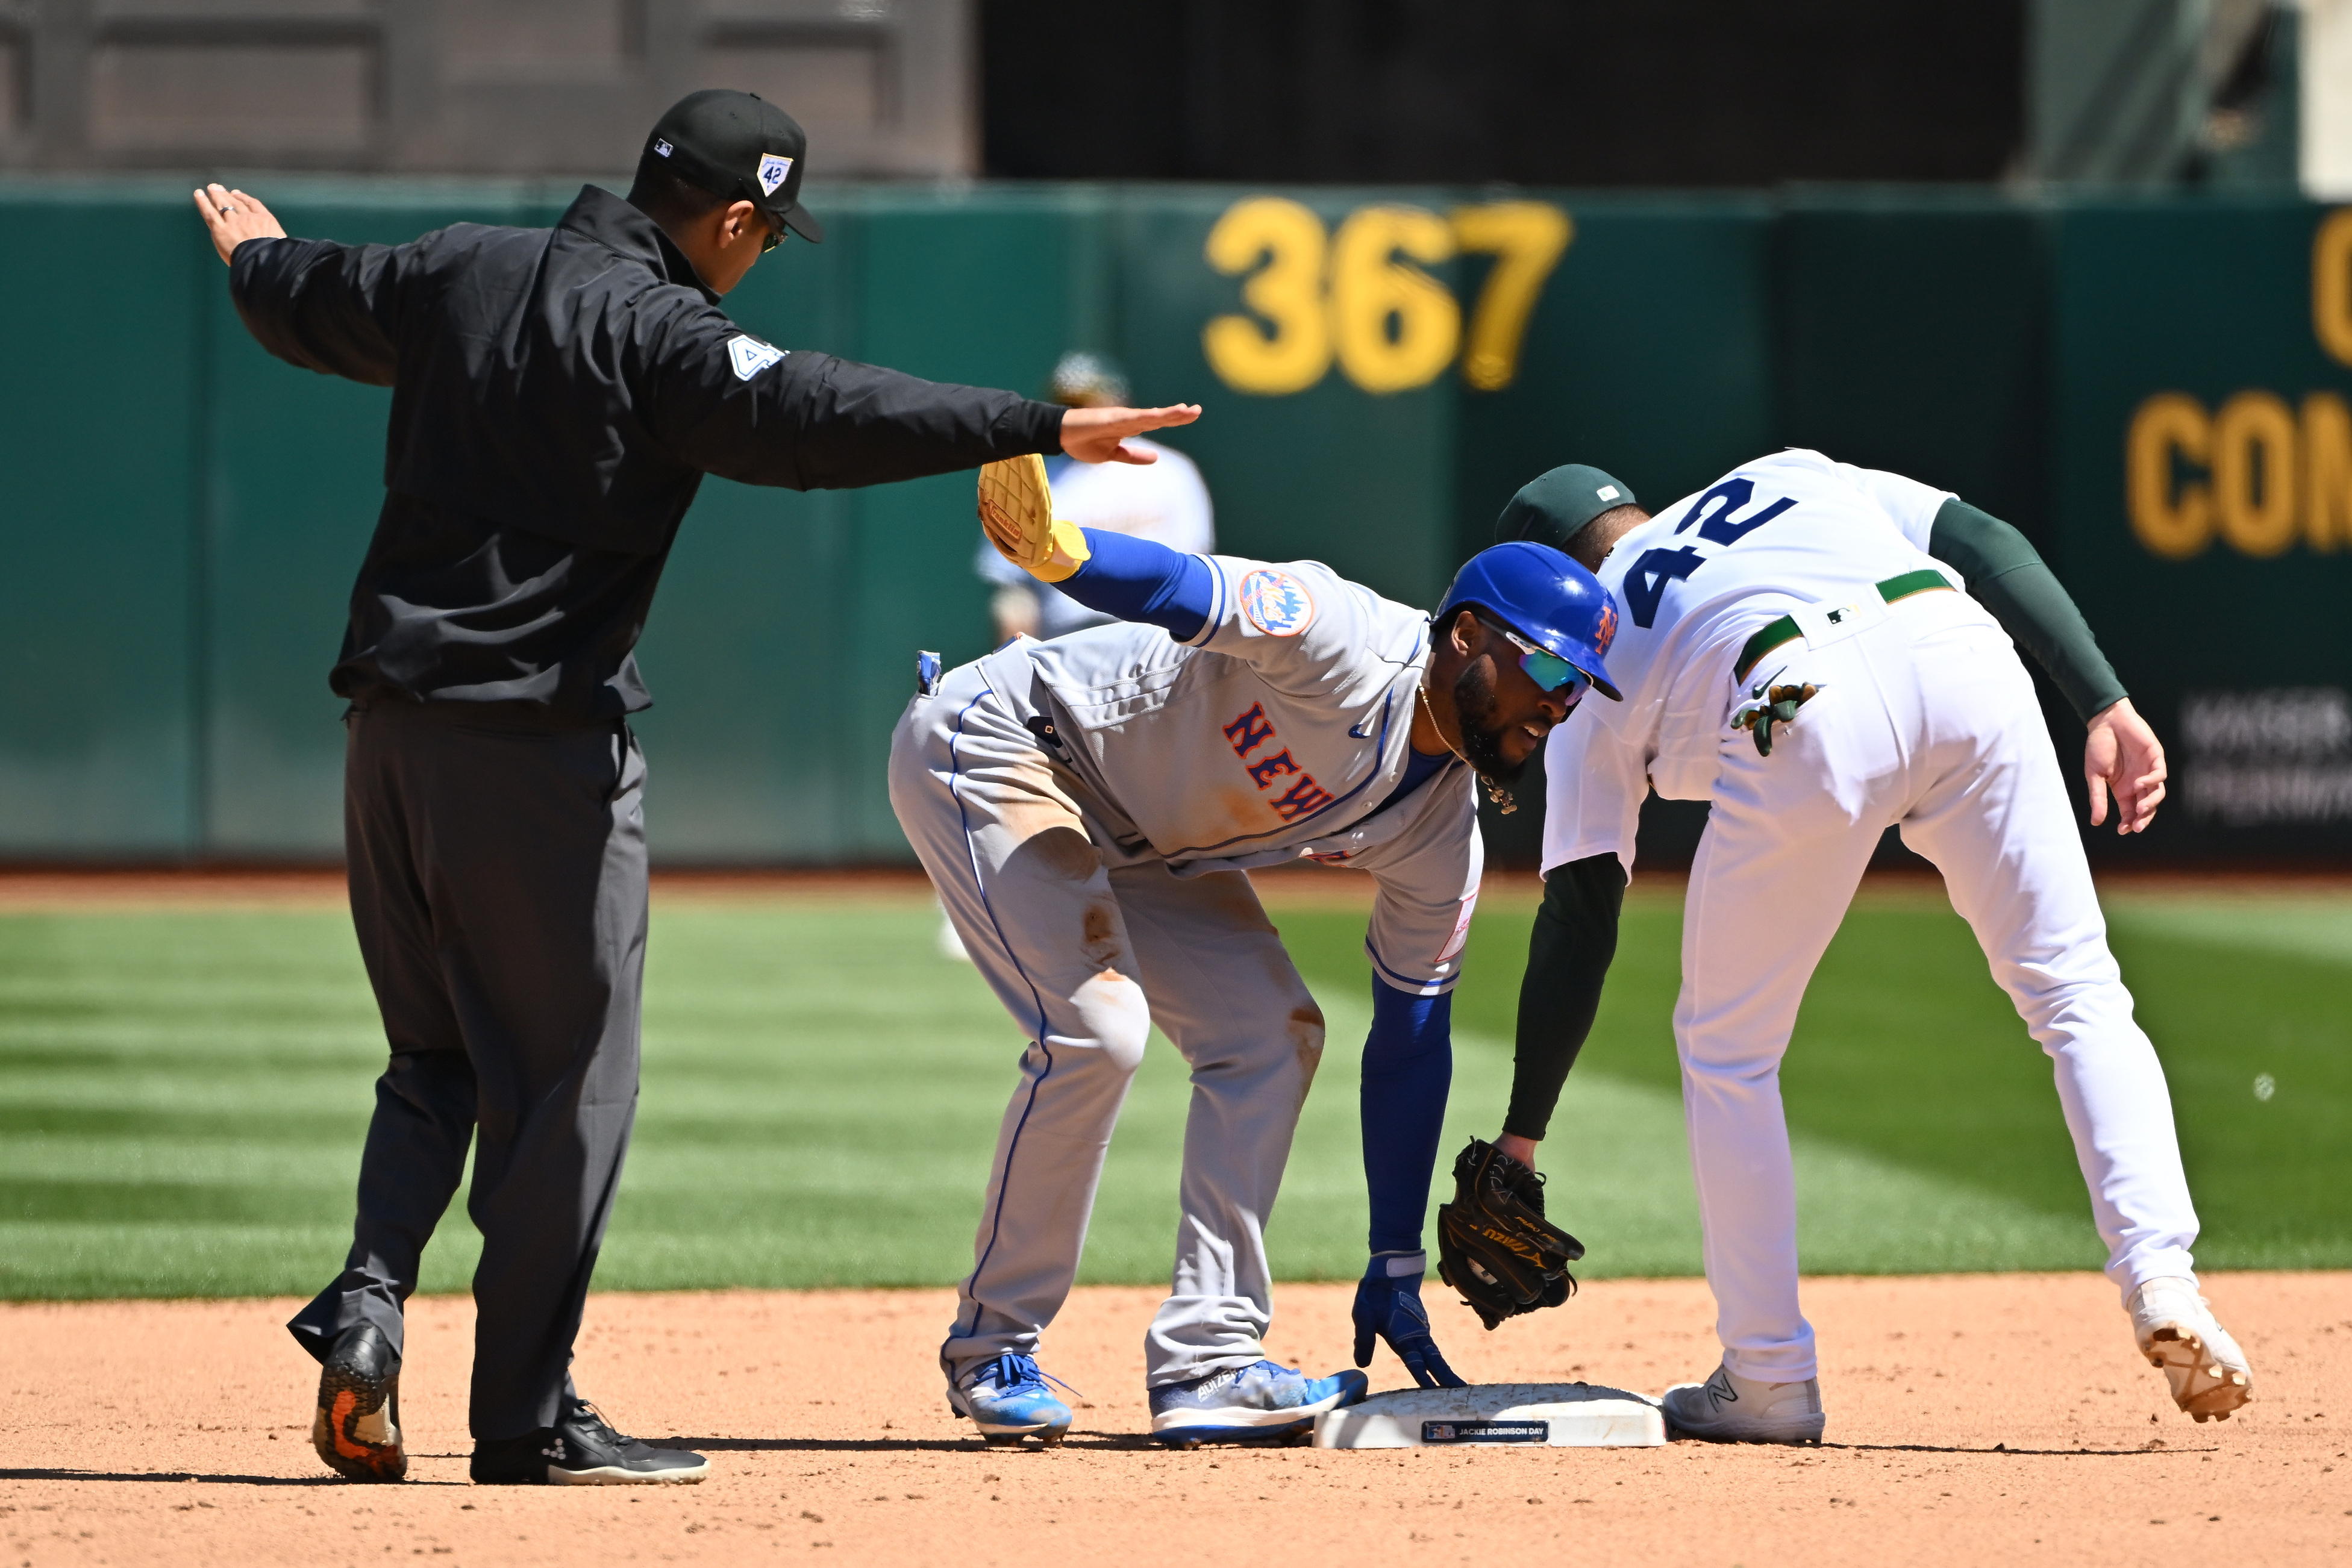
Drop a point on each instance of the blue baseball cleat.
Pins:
(1244, 1404)
(1007, 1399)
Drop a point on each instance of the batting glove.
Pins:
(1389, 1310)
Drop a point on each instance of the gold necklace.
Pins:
(1503, 803)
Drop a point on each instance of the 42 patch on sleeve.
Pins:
(750, 355)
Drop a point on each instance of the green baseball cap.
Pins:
(1550, 509)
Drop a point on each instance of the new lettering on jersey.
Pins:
(1301, 800)
(1250, 731)
(1266, 769)
(1279, 733)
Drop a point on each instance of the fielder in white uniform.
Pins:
(1087, 809)
(1792, 652)
(1165, 501)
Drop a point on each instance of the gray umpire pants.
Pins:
(498, 881)
(1087, 956)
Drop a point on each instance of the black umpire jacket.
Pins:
(558, 395)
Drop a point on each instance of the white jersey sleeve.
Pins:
(1183, 519)
(1164, 501)
(1909, 505)
(1594, 784)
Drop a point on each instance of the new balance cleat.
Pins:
(580, 1450)
(1248, 1403)
(1728, 1408)
(357, 1427)
(1007, 1399)
(2208, 1373)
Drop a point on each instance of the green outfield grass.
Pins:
(182, 1094)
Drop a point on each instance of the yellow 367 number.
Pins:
(1362, 297)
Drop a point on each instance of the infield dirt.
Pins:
(1972, 1418)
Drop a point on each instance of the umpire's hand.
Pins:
(235, 217)
(1099, 434)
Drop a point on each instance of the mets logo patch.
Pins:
(1277, 602)
(1606, 631)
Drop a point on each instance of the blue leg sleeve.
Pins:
(1408, 1067)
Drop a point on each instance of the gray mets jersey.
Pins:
(1276, 734)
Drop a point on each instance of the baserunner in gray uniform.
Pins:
(1087, 808)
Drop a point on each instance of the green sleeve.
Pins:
(1568, 951)
(2006, 575)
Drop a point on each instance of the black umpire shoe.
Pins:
(357, 1428)
(580, 1450)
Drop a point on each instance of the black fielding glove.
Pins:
(1494, 1244)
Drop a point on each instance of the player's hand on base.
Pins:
(2123, 758)
(1390, 1310)
(233, 218)
(1099, 434)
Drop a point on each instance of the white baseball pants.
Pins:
(1087, 957)
(1928, 720)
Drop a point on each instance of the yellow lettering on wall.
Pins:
(2331, 284)
(1290, 347)
(2173, 520)
(1527, 239)
(2327, 472)
(1395, 327)
(2255, 475)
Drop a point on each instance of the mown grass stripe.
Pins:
(190, 1123)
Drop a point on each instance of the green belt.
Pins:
(1785, 630)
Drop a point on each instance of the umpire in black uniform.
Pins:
(557, 396)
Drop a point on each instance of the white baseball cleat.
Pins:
(1728, 1409)
(2176, 1331)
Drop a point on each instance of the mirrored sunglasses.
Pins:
(1549, 672)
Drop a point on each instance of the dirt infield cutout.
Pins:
(1972, 1418)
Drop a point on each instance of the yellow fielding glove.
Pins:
(1016, 512)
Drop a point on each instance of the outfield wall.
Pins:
(2155, 388)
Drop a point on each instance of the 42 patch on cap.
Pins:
(774, 167)
(1277, 602)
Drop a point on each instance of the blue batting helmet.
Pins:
(1546, 597)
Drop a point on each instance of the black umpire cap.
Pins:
(741, 147)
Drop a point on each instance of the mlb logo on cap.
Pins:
(773, 169)
(662, 148)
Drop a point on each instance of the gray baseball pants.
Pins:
(497, 877)
(1087, 955)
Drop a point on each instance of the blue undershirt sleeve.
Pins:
(1408, 1068)
(1137, 579)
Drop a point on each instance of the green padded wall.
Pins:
(99, 441)
(186, 513)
